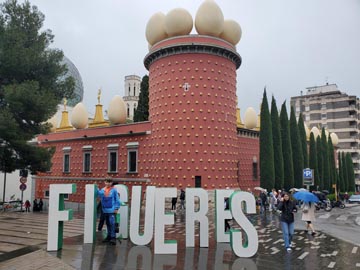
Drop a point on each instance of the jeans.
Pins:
(288, 232)
(110, 225)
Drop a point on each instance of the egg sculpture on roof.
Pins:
(155, 28)
(178, 22)
(209, 19)
(232, 32)
(334, 138)
(250, 118)
(316, 132)
(53, 121)
(79, 116)
(117, 111)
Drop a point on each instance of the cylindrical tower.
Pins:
(192, 100)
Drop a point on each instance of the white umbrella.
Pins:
(259, 188)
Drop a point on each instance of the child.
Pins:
(110, 203)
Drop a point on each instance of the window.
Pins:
(255, 168)
(112, 157)
(129, 90)
(132, 148)
(134, 90)
(46, 195)
(128, 111)
(87, 162)
(134, 110)
(66, 159)
(87, 158)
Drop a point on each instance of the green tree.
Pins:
(31, 85)
(296, 149)
(332, 166)
(267, 171)
(278, 154)
(286, 147)
(303, 140)
(313, 163)
(325, 156)
(341, 183)
(350, 172)
(344, 171)
(142, 110)
(320, 162)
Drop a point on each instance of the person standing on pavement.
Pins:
(173, 203)
(308, 215)
(263, 200)
(182, 199)
(110, 203)
(287, 208)
(41, 204)
(27, 206)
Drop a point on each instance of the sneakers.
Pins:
(107, 239)
(313, 233)
(288, 249)
(112, 242)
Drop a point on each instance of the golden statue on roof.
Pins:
(99, 95)
(65, 102)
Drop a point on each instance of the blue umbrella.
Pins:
(305, 196)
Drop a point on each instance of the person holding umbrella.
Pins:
(308, 215)
(287, 208)
(308, 209)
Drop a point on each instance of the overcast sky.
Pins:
(286, 45)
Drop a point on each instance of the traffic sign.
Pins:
(23, 180)
(22, 187)
(308, 179)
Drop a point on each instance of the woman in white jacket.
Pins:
(308, 215)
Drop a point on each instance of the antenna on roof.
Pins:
(327, 80)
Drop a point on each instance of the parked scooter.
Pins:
(324, 204)
(337, 203)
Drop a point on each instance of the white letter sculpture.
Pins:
(161, 245)
(199, 215)
(251, 243)
(90, 214)
(146, 237)
(221, 214)
(57, 214)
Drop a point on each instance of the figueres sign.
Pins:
(244, 243)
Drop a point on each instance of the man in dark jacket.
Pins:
(287, 208)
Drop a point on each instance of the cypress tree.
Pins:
(278, 154)
(303, 140)
(286, 147)
(332, 166)
(320, 162)
(341, 173)
(350, 171)
(296, 148)
(142, 110)
(344, 171)
(325, 155)
(267, 171)
(313, 164)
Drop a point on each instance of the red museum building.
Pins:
(194, 136)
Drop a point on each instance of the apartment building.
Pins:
(326, 106)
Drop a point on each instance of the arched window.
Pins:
(128, 110)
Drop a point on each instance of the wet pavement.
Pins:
(321, 251)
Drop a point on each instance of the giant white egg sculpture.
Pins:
(316, 132)
(117, 111)
(232, 32)
(178, 22)
(334, 138)
(53, 121)
(155, 28)
(209, 19)
(307, 132)
(79, 116)
(250, 118)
